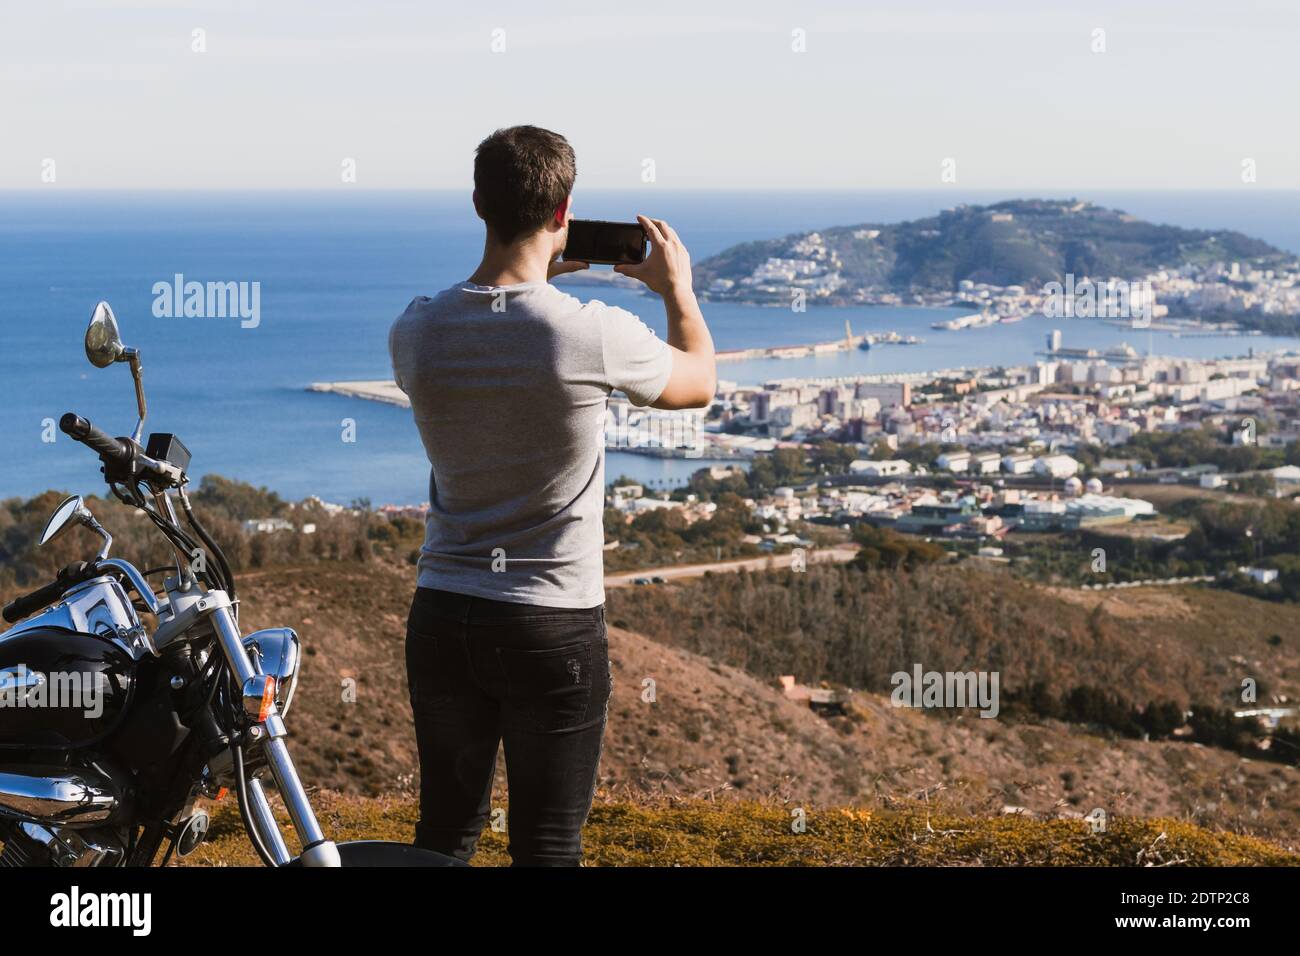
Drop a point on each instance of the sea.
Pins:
(334, 268)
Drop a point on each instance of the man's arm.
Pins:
(667, 271)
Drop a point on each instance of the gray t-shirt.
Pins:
(509, 387)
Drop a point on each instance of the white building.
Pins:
(953, 461)
(880, 469)
(1262, 575)
(1056, 466)
(1018, 464)
(267, 525)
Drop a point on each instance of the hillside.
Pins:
(718, 731)
(1025, 242)
(857, 627)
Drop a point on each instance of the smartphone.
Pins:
(608, 243)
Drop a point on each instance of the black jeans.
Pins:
(481, 672)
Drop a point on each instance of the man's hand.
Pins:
(667, 270)
(557, 268)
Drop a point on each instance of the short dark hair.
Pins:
(521, 175)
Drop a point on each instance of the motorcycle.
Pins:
(110, 730)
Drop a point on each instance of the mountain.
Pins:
(1024, 242)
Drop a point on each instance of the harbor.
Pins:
(846, 344)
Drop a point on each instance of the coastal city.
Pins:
(1008, 432)
(1057, 443)
(963, 453)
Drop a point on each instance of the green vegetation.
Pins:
(1223, 536)
(663, 536)
(221, 504)
(1158, 720)
(856, 626)
(886, 548)
(1269, 323)
(1203, 446)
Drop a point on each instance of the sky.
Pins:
(395, 94)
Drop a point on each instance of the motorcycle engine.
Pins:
(37, 844)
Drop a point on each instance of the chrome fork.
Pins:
(316, 849)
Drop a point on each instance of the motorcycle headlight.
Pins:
(275, 651)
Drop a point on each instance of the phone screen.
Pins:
(610, 243)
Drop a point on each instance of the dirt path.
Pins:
(768, 563)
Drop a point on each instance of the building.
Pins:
(763, 404)
(1286, 478)
(1120, 467)
(267, 525)
(932, 515)
(1037, 515)
(821, 700)
(1056, 466)
(887, 393)
(1018, 464)
(785, 420)
(1260, 575)
(723, 472)
(625, 493)
(953, 461)
(1088, 510)
(880, 469)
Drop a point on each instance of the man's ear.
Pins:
(474, 198)
(562, 212)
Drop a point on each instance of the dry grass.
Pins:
(701, 833)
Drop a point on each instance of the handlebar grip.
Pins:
(68, 577)
(109, 448)
(19, 608)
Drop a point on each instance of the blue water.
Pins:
(336, 267)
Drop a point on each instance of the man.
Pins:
(508, 379)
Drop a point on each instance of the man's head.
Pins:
(523, 178)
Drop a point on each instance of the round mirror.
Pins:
(68, 513)
(103, 340)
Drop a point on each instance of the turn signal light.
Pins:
(259, 696)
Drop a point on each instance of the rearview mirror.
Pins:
(104, 347)
(71, 511)
(103, 340)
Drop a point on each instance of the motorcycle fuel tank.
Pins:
(61, 689)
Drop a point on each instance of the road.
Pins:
(771, 562)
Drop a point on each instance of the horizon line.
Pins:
(1077, 191)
